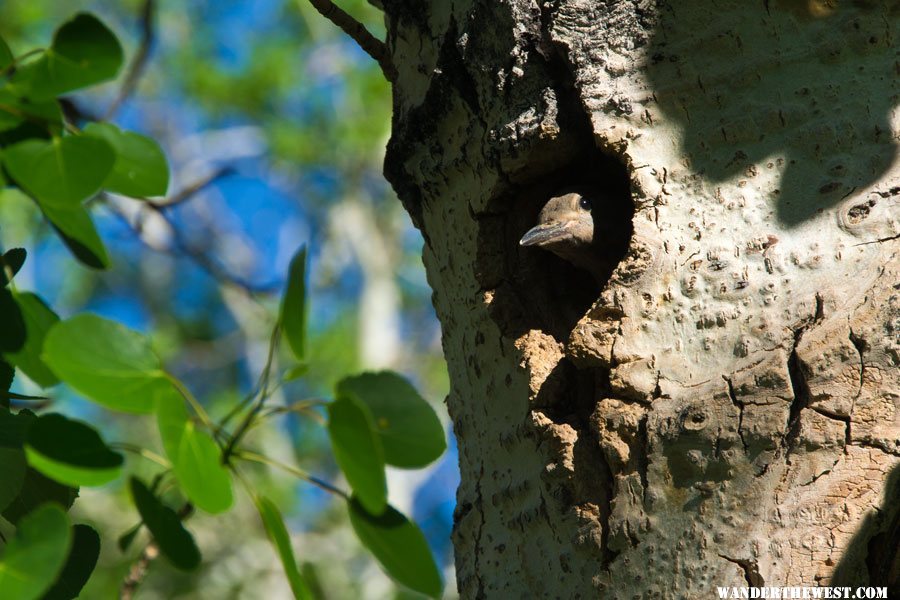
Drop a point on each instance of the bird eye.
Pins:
(584, 203)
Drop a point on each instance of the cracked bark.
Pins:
(749, 158)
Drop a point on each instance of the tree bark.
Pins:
(725, 409)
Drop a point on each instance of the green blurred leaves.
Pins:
(107, 362)
(278, 534)
(70, 452)
(62, 172)
(140, 167)
(12, 458)
(75, 227)
(195, 457)
(79, 565)
(84, 52)
(358, 451)
(293, 306)
(172, 538)
(6, 55)
(36, 554)
(379, 419)
(38, 319)
(12, 260)
(409, 430)
(399, 546)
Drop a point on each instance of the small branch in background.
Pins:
(180, 245)
(139, 62)
(187, 192)
(358, 32)
(76, 113)
(138, 571)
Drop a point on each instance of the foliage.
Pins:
(375, 419)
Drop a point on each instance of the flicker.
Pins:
(566, 228)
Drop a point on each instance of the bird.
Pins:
(566, 227)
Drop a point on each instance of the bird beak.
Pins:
(545, 233)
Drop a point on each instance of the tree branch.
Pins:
(181, 245)
(193, 188)
(139, 62)
(138, 571)
(358, 32)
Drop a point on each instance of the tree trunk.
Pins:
(725, 408)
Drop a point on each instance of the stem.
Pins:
(296, 471)
(260, 401)
(198, 408)
(143, 452)
(138, 571)
(358, 33)
(139, 62)
(18, 60)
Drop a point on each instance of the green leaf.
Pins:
(12, 474)
(409, 429)
(279, 537)
(12, 260)
(38, 319)
(15, 111)
(296, 372)
(358, 451)
(37, 490)
(107, 362)
(293, 305)
(398, 544)
(70, 452)
(195, 457)
(12, 323)
(12, 457)
(36, 554)
(75, 227)
(62, 172)
(140, 168)
(173, 539)
(84, 52)
(7, 374)
(125, 540)
(79, 565)
(6, 55)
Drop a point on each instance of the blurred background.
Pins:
(277, 122)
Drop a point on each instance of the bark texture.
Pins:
(725, 409)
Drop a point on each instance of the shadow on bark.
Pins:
(808, 85)
(873, 556)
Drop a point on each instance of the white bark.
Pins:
(728, 411)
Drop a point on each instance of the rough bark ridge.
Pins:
(726, 410)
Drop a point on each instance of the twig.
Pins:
(260, 401)
(139, 62)
(150, 553)
(138, 571)
(143, 452)
(259, 384)
(295, 471)
(195, 404)
(181, 246)
(358, 32)
(18, 60)
(187, 192)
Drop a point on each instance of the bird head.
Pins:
(566, 228)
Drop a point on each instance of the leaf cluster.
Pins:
(374, 419)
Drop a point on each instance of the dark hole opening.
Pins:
(553, 292)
